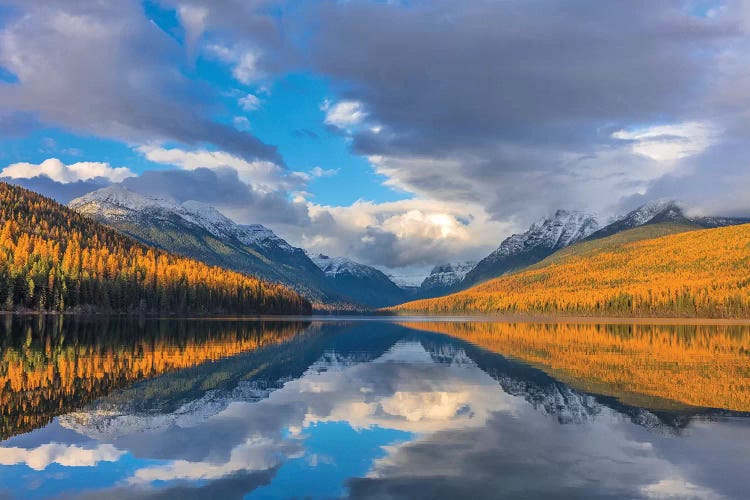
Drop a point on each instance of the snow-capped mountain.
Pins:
(543, 238)
(200, 231)
(116, 202)
(662, 211)
(447, 275)
(364, 284)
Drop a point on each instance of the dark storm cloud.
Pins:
(452, 75)
(107, 70)
(516, 103)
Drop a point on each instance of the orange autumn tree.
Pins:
(54, 259)
(702, 273)
(697, 365)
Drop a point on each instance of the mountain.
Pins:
(659, 212)
(54, 259)
(200, 231)
(444, 277)
(541, 240)
(363, 284)
(700, 273)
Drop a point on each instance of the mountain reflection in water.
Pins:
(265, 409)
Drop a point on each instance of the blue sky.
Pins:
(400, 134)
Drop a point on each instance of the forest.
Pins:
(47, 369)
(694, 365)
(54, 259)
(703, 273)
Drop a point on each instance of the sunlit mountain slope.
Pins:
(703, 273)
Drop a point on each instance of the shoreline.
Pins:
(406, 318)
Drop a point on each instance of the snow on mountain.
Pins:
(561, 230)
(117, 202)
(662, 211)
(335, 266)
(647, 212)
(543, 238)
(447, 275)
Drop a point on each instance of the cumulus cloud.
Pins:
(343, 114)
(263, 175)
(399, 234)
(58, 171)
(244, 61)
(43, 456)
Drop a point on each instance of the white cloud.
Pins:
(321, 172)
(193, 19)
(414, 232)
(241, 123)
(66, 455)
(676, 488)
(250, 102)
(263, 176)
(670, 142)
(58, 171)
(256, 453)
(343, 114)
(246, 69)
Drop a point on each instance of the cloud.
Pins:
(107, 70)
(241, 123)
(224, 189)
(249, 102)
(535, 106)
(246, 68)
(62, 192)
(344, 114)
(43, 456)
(59, 172)
(670, 142)
(263, 175)
(193, 19)
(321, 172)
(399, 234)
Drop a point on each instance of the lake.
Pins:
(373, 408)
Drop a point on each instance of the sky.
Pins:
(402, 134)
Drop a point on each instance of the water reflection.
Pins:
(324, 409)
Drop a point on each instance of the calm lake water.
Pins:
(378, 409)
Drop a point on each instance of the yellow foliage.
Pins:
(697, 365)
(702, 273)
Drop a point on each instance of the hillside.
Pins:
(54, 259)
(543, 238)
(201, 232)
(701, 273)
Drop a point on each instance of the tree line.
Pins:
(54, 259)
(702, 273)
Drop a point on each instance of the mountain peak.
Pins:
(543, 238)
(118, 197)
(334, 266)
(564, 228)
(661, 209)
(447, 275)
(116, 202)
